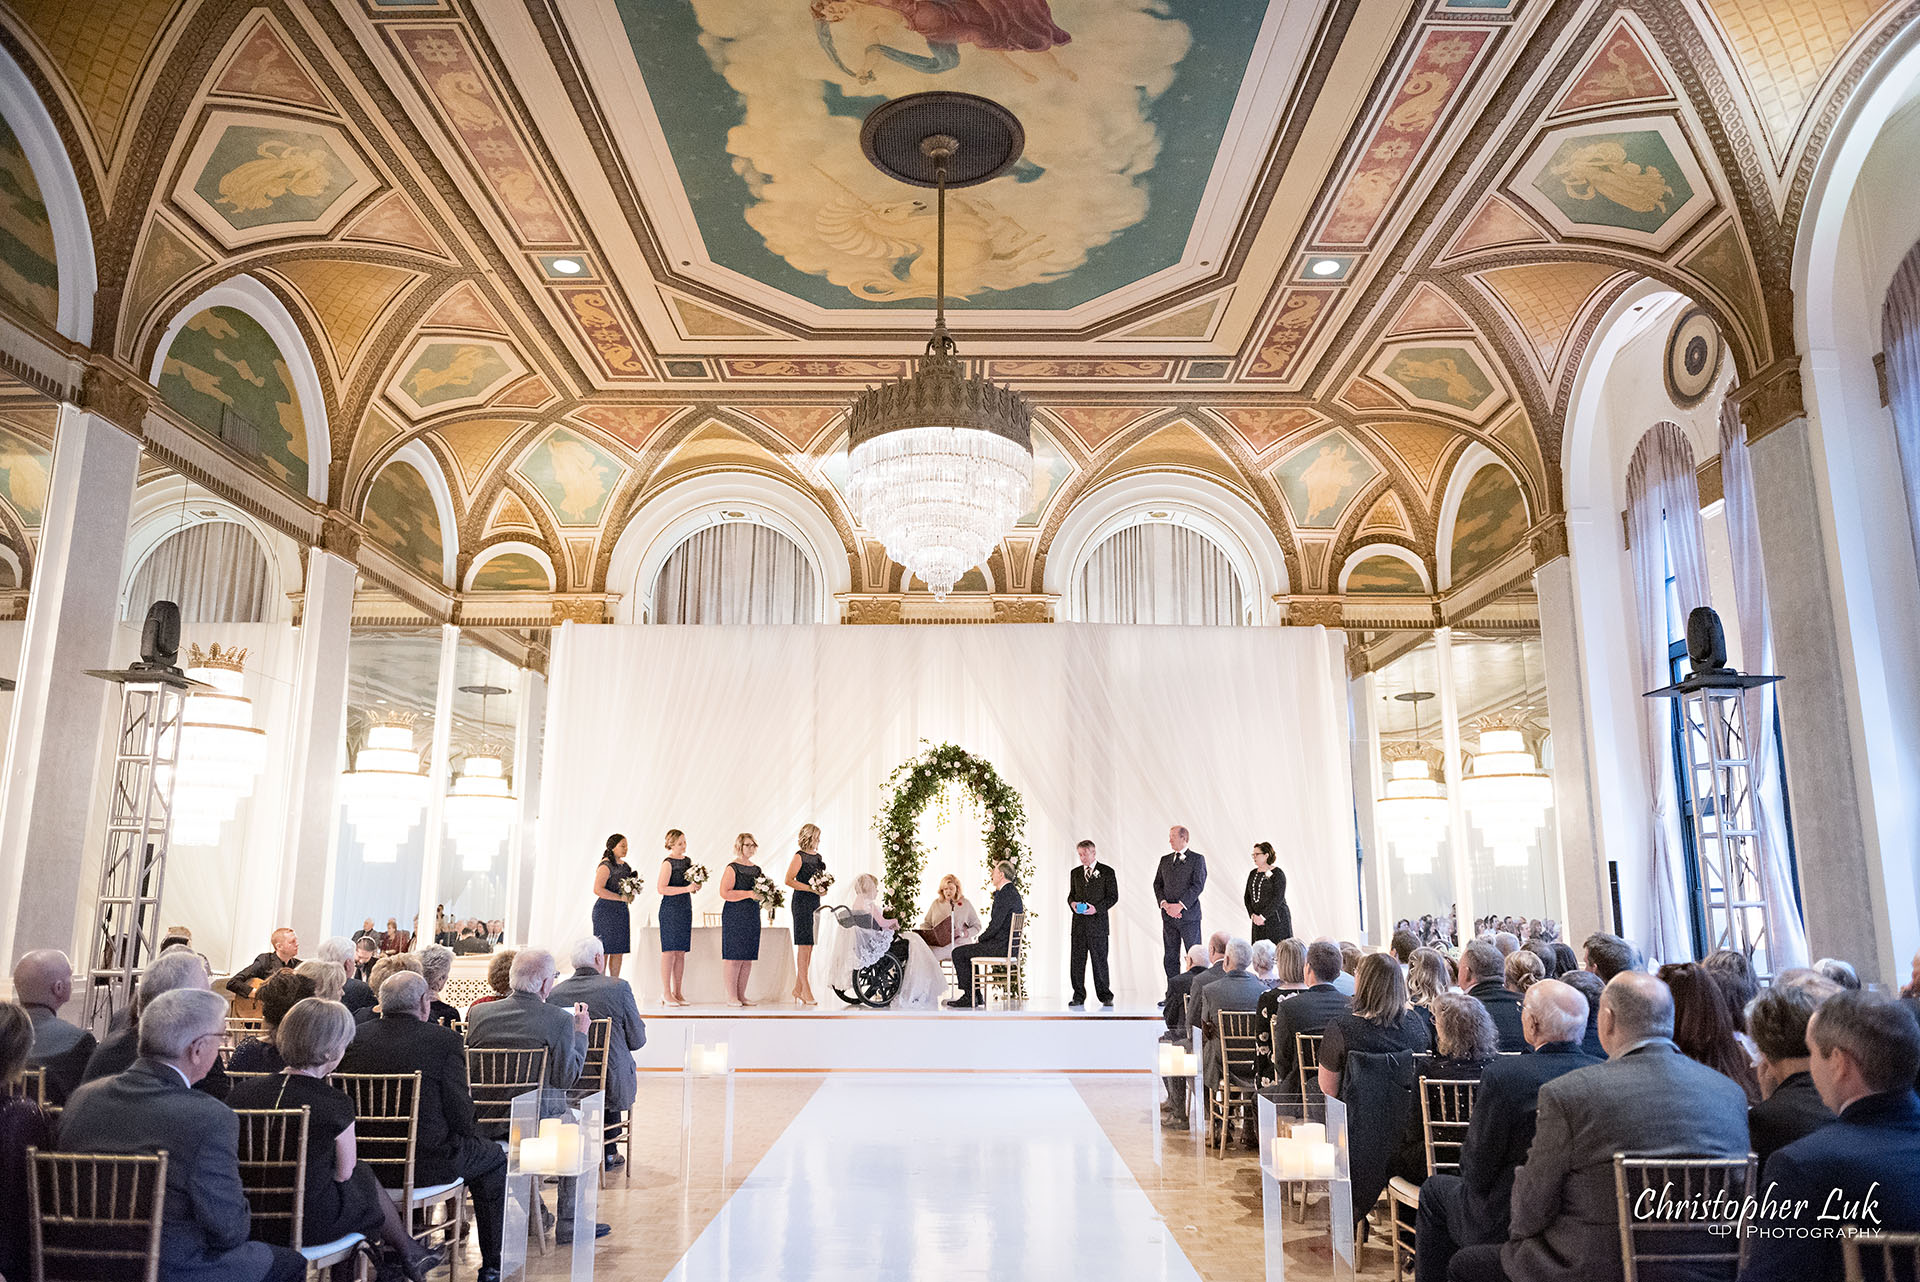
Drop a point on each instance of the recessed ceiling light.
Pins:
(1325, 267)
(568, 266)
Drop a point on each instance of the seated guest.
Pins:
(1403, 944)
(1507, 942)
(1565, 960)
(1483, 976)
(395, 940)
(1840, 972)
(499, 978)
(1308, 1011)
(383, 970)
(1290, 965)
(23, 1125)
(340, 951)
(43, 983)
(1589, 986)
(1549, 961)
(1703, 1027)
(1791, 1106)
(1380, 1022)
(152, 1108)
(1521, 970)
(366, 951)
(1290, 971)
(436, 967)
(1216, 967)
(470, 941)
(997, 938)
(1428, 980)
(1863, 1168)
(1173, 1109)
(284, 953)
(172, 970)
(262, 1054)
(1349, 966)
(1647, 1098)
(366, 931)
(342, 1196)
(448, 1146)
(610, 999)
(1465, 1040)
(1608, 955)
(1238, 989)
(329, 982)
(1265, 954)
(1471, 1207)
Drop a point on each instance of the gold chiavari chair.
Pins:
(387, 1106)
(497, 1075)
(593, 1077)
(239, 1028)
(1653, 1240)
(1446, 1108)
(93, 1216)
(1238, 1045)
(1313, 1101)
(273, 1173)
(1897, 1254)
(1003, 974)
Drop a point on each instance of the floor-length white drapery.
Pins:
(737, 572)
(1663, 524)
(1109, 733)
(1900, 332)
(215, 571)
(1160, 573)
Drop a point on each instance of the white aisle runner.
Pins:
(939, 1178)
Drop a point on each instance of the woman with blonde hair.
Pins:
(740, 918)
(951, 920)
(329, 979)
(802, 869)
(676, 917)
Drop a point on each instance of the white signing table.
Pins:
(706, 978)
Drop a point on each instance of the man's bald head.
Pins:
(1634, 1006)
(1217, 945)
(1553, 1012)
(43, 977)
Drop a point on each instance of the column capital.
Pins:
(1770, 399)
(1022, 610)
(1359, 662)
(579, 609)
(1548, 539)
(116, 398)
(873, 610)
(340, 535)
(1308, 612)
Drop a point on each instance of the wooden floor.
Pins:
(680, 1181)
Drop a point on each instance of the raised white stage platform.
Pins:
(824, 1040)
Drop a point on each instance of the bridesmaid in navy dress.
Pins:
(676, 918)
(740, 918)
(807, 864)
(611, 921)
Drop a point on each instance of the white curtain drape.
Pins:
(1108, 733)
(1663, 522)
(214, 570)
(738, 572)
(1786, 931)
(1900, 334)
(1160, 573)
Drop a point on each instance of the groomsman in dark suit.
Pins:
(1177, 885)
(1091, 892)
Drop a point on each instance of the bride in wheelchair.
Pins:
(868, 961)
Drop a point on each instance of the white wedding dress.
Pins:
(844, 949)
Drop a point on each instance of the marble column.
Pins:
(1458, 848)
(313, 746)
(1586, 902)
(529, 750)
(1376, 883)
(440, 777)
(53, 742)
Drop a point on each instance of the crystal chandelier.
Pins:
(940, 463)
(221, 751)
(1507, 794)
(1413, 813)
(480, 806)
(385, 793)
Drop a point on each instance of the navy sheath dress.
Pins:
(676, 911)
(740, 919)
(805, 902)
(611, 920)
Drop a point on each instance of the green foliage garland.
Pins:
(915, 783)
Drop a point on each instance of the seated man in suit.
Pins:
(366, 951)
(995, 940)
(1647, 1099)
(1790, 1104)
(1863, 1168)
(1607, 955)
(43, 983)
(339, 950)
(523, 1018)
(1174, 1009)
(611, 999)
(284, 953)
(1238, 989)
(150, 1108)
(1483, 976)
(383, 970)
(401, 1040)
(1589, 986)
(1471, 1207)
(173, 969)
(1308, 1011)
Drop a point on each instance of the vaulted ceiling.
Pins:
(561, 254)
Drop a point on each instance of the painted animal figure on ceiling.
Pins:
(1001, 27)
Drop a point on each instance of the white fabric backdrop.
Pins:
(1110, 733)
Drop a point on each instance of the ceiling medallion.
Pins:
(940, 463)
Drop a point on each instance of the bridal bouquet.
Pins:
(770, 896)
(697, 875)
(823, 883)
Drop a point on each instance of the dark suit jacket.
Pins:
(1190, 1012)
(1099, 892)
(1590, 1043)
(262, 967)
(1504, 1006)
(1006, 902)
(1873, 1145)
(62, 1049)
(403, 1044)
(1308, 1011)
(117, 1053)
(521, 1019)
(147, 1109)
(1793, 1110)
(1500, 1130)
(1178, 987)
(358, 996)
(610, 999)
(1180, 880)
(1654, 1100)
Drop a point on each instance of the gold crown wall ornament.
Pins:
(403, 718)
(1412, 750)
(232, 659)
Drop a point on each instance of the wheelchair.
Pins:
(877, 985)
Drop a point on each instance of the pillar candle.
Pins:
(567, 1149)
(1322, 1162)
(1310, 1132)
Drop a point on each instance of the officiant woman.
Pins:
(610, 916)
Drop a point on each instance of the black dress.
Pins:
(676, 911)
(1266, 896)
(333, 1208)
(256, 1055)
(805, 902)
(23, 1125)
(610, 918)
(740, 918)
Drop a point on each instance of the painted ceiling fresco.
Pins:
(1491, 519)
(29, 275)
(401, 516)
(224, 372)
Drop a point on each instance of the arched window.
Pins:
(1160, 572)
(736, 572)
(216, 571)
